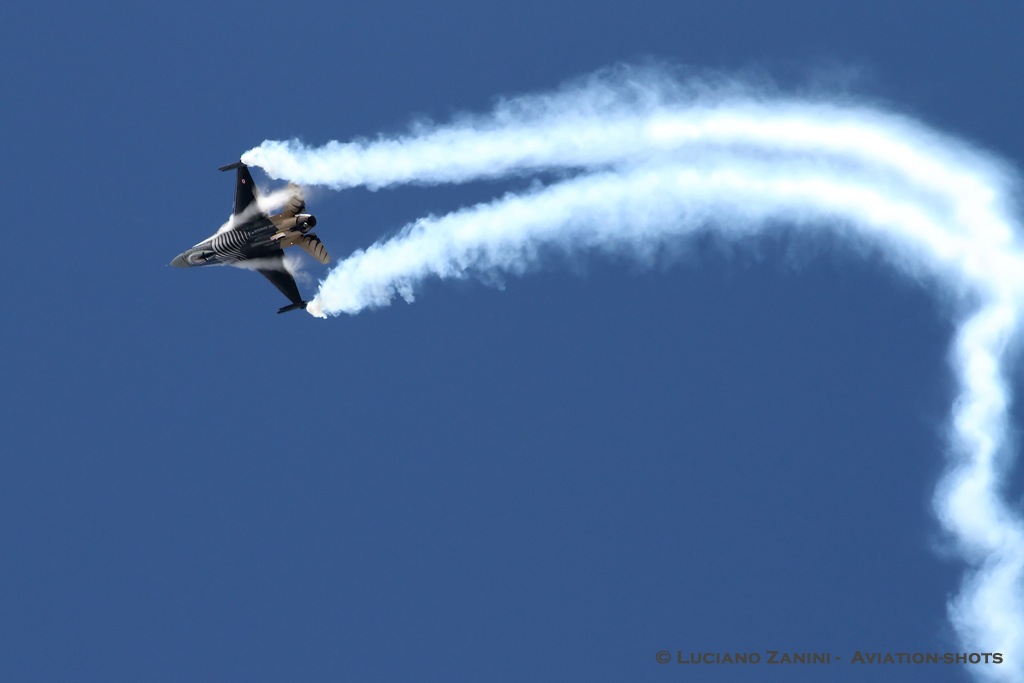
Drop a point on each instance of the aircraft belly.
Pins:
(228, 246)
(240, 245)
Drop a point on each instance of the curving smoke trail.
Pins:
(637, 159)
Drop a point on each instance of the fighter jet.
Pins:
(251, 238)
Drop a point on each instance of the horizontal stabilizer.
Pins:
(293, 307)
(314, 247)
(230, 166)
(295, 204)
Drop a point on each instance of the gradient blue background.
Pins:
(547, 482)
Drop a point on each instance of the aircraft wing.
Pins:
(245, 191)
(283, 280)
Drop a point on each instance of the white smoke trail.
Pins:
(637, 160)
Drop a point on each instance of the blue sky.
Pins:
(549, 481)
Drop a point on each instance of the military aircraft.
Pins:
(253, 239)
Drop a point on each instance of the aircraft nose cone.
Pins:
(179, 261)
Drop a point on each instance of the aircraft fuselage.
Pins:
(230, 246)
